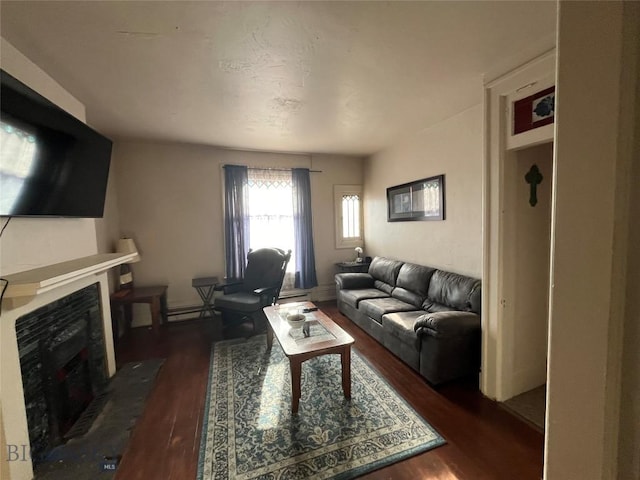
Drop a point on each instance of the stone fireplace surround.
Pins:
(26, 292)
(61, 348)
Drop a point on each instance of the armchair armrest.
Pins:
(264, 290)
(266, 294)
(352, 281)
(230, 285)
(447, 324)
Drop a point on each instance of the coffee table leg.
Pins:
(296, 370)
(269, 336)
(346, 371)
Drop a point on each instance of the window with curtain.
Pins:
(270, 209)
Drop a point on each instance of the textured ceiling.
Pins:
(334, 77)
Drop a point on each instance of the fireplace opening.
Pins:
(75, 393)
(63, 363)
(67, 379)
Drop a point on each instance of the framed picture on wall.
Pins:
(419, 200)
(534, 111)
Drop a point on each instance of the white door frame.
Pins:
(497, 379)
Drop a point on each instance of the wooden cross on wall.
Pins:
(533, 178)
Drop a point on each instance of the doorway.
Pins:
(528, 224)
(516, 237)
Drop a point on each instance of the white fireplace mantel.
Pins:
(24, 286)
(26, 292)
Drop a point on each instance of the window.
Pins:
(269, 208)
(348, 214)
(271, 214)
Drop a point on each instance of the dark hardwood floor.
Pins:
(484, 441)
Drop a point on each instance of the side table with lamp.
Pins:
(128, 294)
(125, 279)
(359, 265)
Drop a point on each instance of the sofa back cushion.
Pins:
(451, 291)
(385, 272)
(412, 284)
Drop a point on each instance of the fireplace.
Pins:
(62, 359)
(37, 290)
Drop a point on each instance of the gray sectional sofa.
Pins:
(429, 318)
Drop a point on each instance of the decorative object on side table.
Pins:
(358, 254)
(127, 245)
(420, 200)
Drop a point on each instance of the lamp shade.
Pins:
(127, 245)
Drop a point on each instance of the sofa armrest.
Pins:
(447, 324)
(353, 281)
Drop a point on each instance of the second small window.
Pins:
(348, 213)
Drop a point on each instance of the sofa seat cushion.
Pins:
(377, 307)
(401, 325)
(353, 297)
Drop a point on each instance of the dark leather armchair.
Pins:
(244, 299)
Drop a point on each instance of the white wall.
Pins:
(170, 202)
(33, 242)
(527, 349)
(452, 147)
(596, 79)
(108, 227)
(337, 170)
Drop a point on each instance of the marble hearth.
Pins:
(28, 292)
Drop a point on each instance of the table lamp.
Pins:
(127, 245)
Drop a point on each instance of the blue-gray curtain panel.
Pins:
(236, 219)
(303, 230)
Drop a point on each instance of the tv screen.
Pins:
(51, 163)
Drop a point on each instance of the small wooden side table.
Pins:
(205, 287)
(155, 296)
(353, 267)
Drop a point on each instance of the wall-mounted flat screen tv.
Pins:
(51, 163)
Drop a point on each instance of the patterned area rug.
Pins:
(249, 431)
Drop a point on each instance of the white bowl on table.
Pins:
(296, 320)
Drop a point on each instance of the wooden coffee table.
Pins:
(325, 338)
